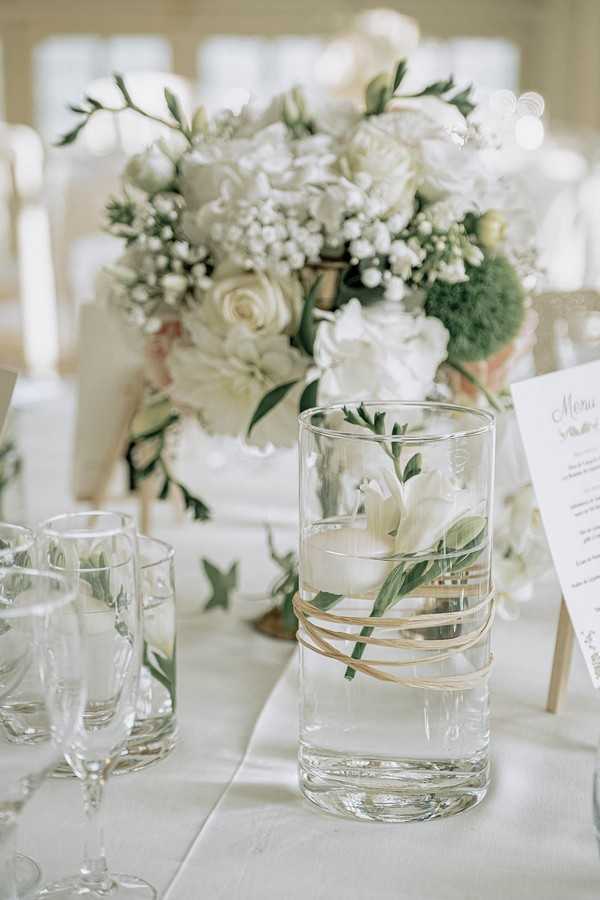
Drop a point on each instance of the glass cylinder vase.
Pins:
(395, 608)
(154, 732)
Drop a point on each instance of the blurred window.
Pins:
(233, 68)
(490, 64)
(65, 65)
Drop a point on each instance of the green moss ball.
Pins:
(482, 314)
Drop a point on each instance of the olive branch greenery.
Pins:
(147, 442)
(382, 88)
(462, 540)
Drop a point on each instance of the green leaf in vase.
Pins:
(413, 467)
(464, 532)
(464, 535)
(163, 669)
(324, 600)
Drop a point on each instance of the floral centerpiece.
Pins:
(307, 252)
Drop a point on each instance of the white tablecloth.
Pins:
(222, 818)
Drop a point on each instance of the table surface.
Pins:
(222, 817)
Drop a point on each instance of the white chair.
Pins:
(568, 331)
(28, 276)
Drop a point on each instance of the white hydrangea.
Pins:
(224, 376)
(378, 351)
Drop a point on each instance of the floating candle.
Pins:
(340, 561)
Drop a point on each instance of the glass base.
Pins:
(120, 887)
(145, 747)
(27, 873)
(391, 790)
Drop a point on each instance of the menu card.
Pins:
(109, 395)
(559, 419)
(7, 385)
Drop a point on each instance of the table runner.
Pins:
(531, 837)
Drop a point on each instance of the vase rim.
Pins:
(486, 421)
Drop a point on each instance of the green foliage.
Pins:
(163, 669)
(286, 585)
(120, 212)
(382, 88)
(376, 424)
(305, 338)
(442, 89)
(482, 314)
(146, 455)
(89, 106)
(308, 400)
(465, 535)
(222, 584)
(271, 399)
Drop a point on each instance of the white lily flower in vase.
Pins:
(419, 512)
(159, 629)
(408, 518)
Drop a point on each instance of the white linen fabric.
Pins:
(222, 817)
(532, 837)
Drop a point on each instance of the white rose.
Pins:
(329, 115)
(448, 170)
(437, 112)
(151, 171)
(376, 157)
(263, 303)
(224, 378)
(379, 351)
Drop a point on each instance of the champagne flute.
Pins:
(40, 640)
(16, 546)
(102, 548)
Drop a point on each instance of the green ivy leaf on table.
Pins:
(222, 584)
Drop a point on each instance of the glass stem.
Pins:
(94, 871)
(8, 828)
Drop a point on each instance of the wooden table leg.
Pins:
(146, 494)
(561, 663)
